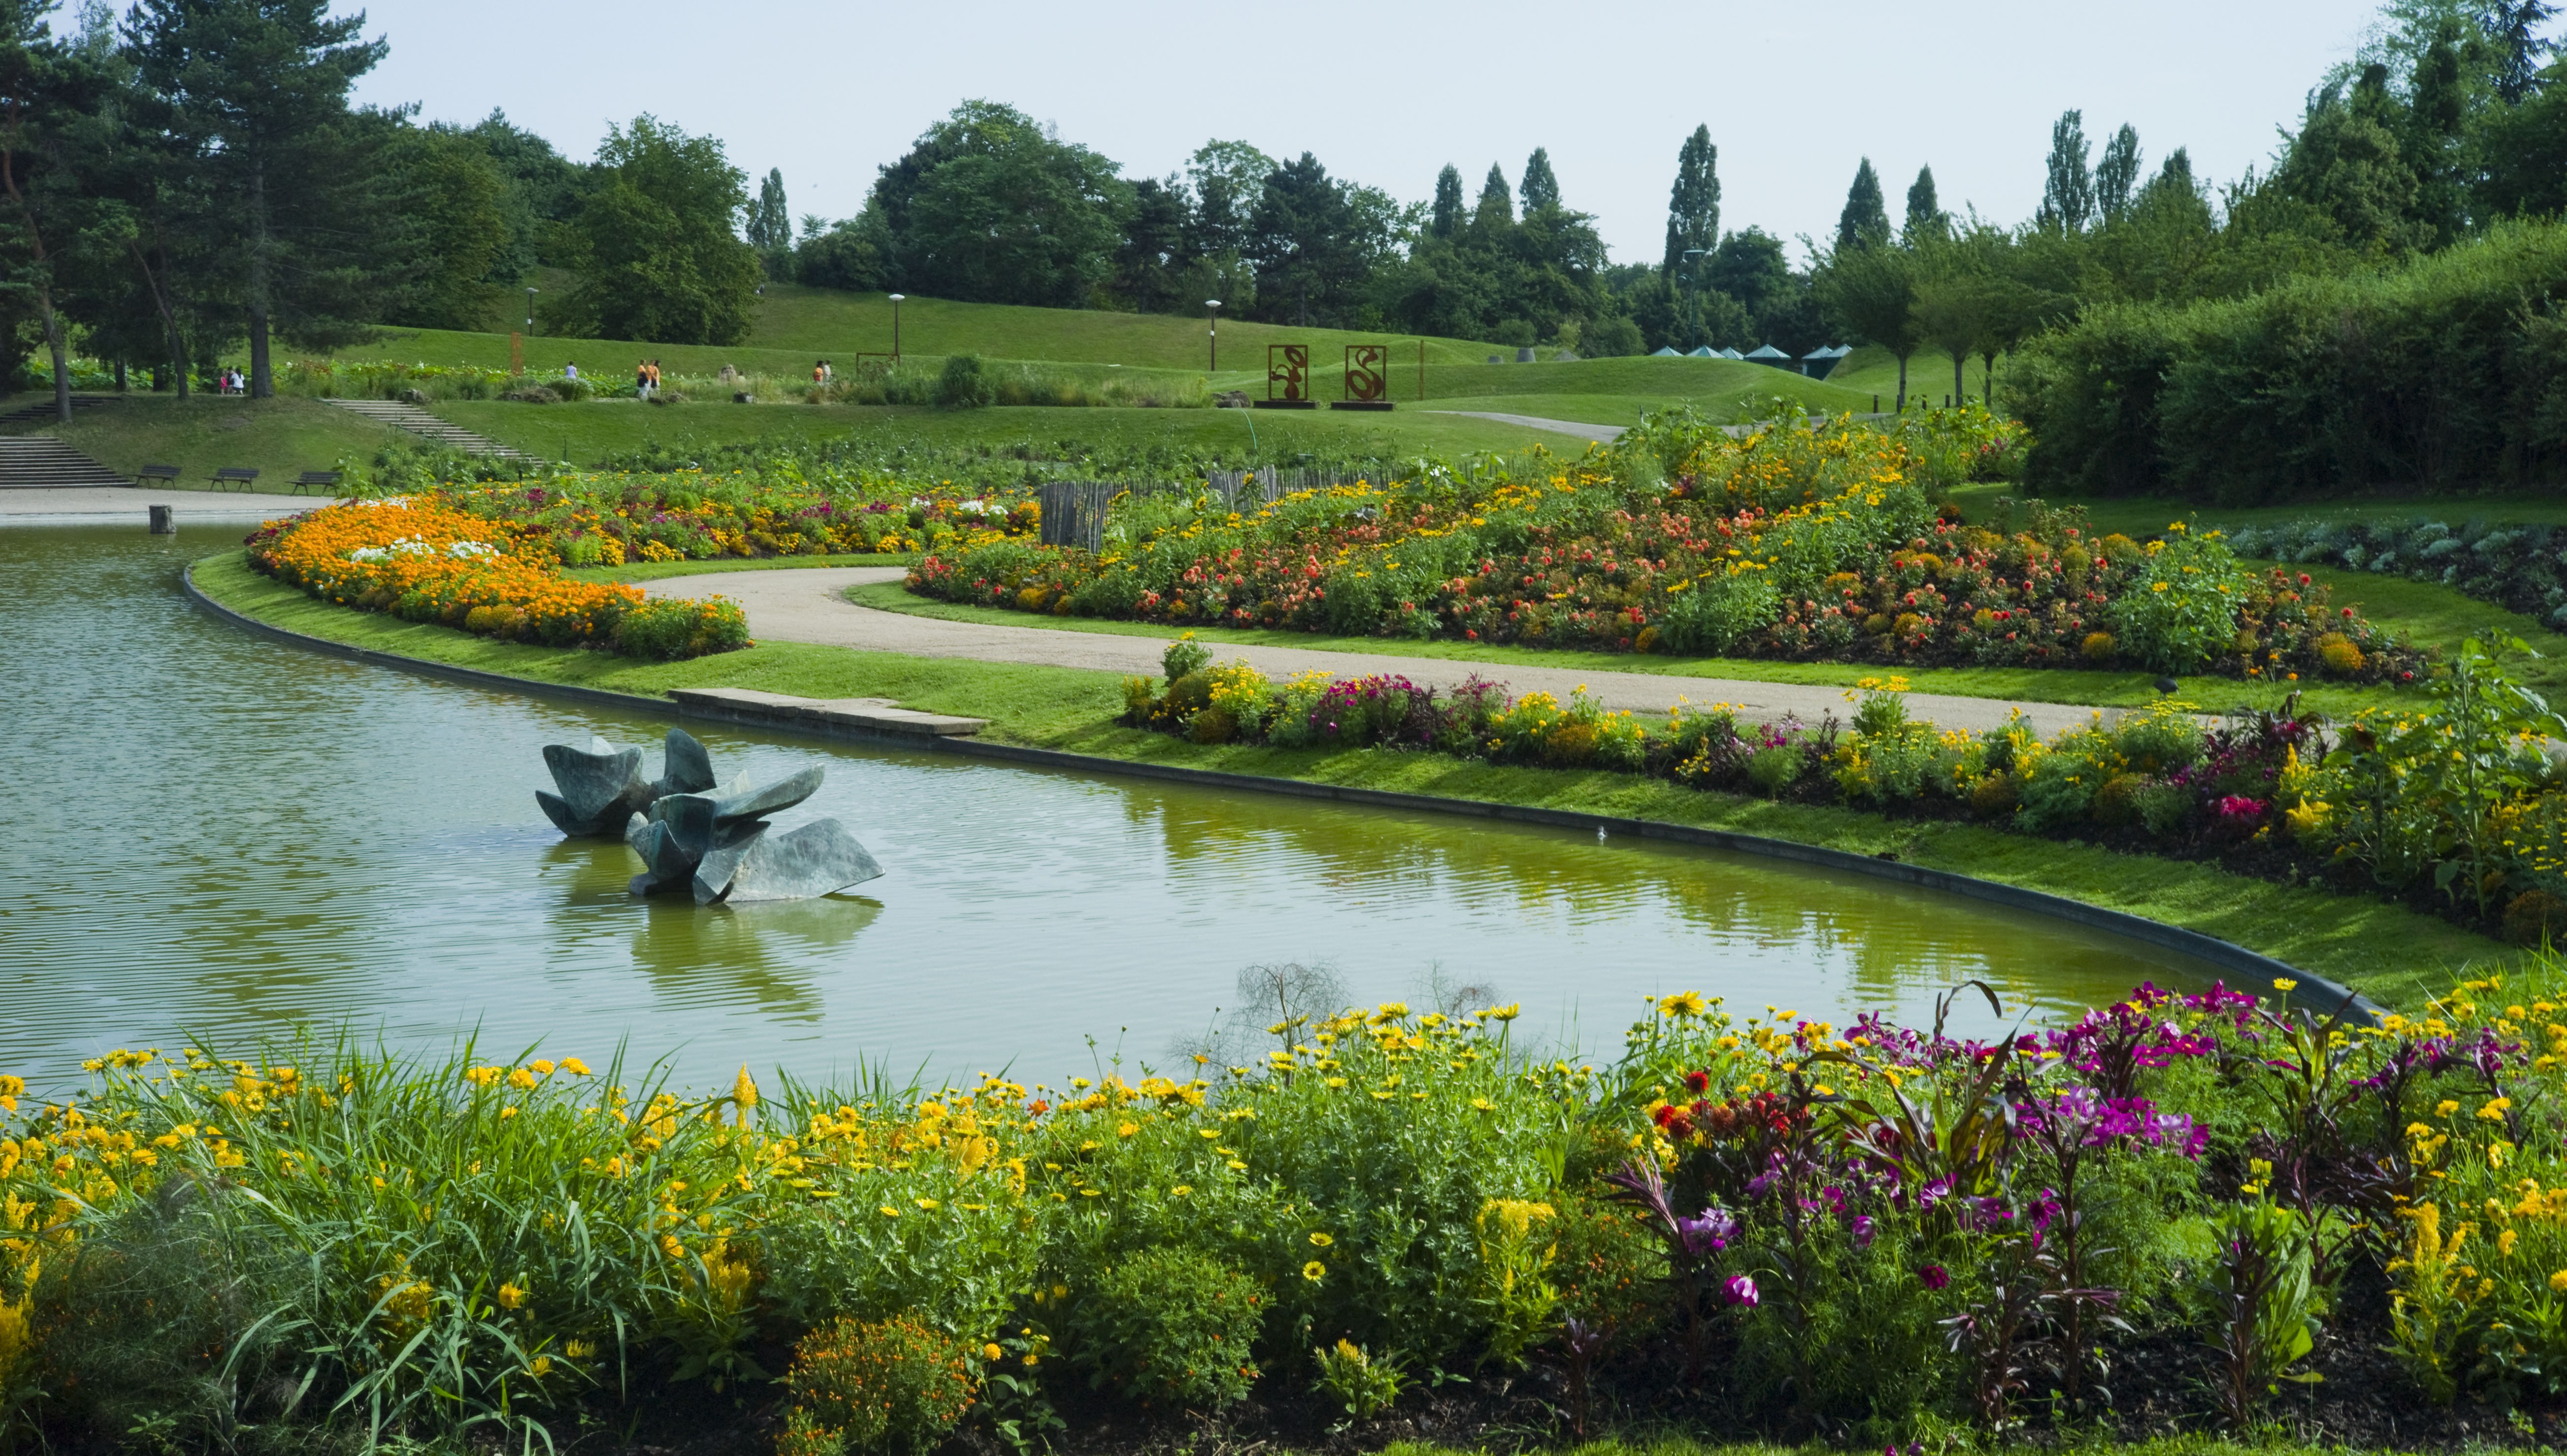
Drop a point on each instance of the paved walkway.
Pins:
(809, 605)
(1601, 434)
(81, 505)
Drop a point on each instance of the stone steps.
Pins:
(42, 410)
(419, 421)
(38, 461)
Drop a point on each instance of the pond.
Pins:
(219, 839)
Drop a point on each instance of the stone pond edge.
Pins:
(2314, 991)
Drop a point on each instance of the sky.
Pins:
(1386, 93)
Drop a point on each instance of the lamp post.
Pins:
(895, 326)
(530, 310)
(1212, 330)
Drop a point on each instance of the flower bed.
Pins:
(2454, 807)
(2158, 1215)
(426, 562)
(1792, 544)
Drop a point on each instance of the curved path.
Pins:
(810, 605)
(1601, 434)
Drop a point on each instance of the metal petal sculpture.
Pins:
(693, 834)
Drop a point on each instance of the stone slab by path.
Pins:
(94, 505)
(809, 605)
(878, 715)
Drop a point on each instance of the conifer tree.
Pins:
(1926, 222)
(2116, 171)
(1866, 220)
(1538, 189)
(1693, 204)
(1446, 219)
(2515, 26)
(2068, 199)
(1497, 208)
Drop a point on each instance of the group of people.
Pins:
(821, 374)
(231, 382)
(646, 379)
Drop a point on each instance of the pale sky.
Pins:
(1387, 93)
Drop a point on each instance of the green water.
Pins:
(217, 839)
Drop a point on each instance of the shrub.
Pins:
(2097, 647)
(965, 385)
(2338, 655)
(1775, 769)
(889, 1385)
(2181, 610)
(1172, 1324)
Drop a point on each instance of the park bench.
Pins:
(242, 476)
(326, 479)
(155, 472)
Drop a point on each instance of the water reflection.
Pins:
(229, 838)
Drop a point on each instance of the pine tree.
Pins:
(1866, 220)
(2068, 199)
(2515, 26)
(1446, 219)
(1926, 221)
(258, 89)
(1538, 189)
(1693, 204)
(2116, 171)
(1497, 209)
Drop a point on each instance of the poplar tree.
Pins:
(1446, 218)
(2068, 199)
(1497, 209)
(771, 222)
(1866, 220)
(1693, 204)
(1926, 222)
(1538, 189)
(2116, 171)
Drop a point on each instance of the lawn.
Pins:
(281, 438)
(2386, 951)
(588, 433)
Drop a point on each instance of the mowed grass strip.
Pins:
(2385, 950)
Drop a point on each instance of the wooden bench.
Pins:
(243, 476)
(326, 479)
(155, 472)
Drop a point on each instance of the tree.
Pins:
(2346, 169)
(1154, 241)
(770, 225)
(255, 95)
(1446, 218)
(659, 260)
(1496, 211)
(1871, 291)
(542, 194)
(49, 97)
(1538, 189)
(1927, 222)
(990, 206)
(2526, 150)
(2514, 27)
(2068, 197)
(1693, 204)
(451, 196)
(1228, 177)
(2116, 171)
(1866, 220)
(1306, 242)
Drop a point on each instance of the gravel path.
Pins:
(1601, 434)
(109, 504)
(809, 605)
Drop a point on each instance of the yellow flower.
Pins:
(542, 1366)
(2558, 1281)
(1483, 1104)
(574, 1066)
(1683, 1004)
(743, 1091)
(512, 1297)
(889, 1212)
(2446, 1107)
(1127, 1129)
(1506, 1012)
(990, 1353)
(1321, 1241)
(2283, 983)
(521, 1079)
(1315, 1271)
(1181, 1190)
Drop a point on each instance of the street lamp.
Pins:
(1212, 330)
(895, 326)
(530, 310)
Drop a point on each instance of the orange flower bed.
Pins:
(423, 561)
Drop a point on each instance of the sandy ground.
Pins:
(810, 606)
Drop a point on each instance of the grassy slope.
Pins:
(281, 438)
(589, 431)
(2389, 952)
(1869, 371)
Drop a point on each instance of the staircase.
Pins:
(418, 422)
(42, 412)
(34, 461)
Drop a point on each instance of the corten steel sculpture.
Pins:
(1288, 368)
(695, 835)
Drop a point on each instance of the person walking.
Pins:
(642, 380)
(570, 370)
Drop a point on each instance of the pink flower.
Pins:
(1740, 1290)
(1934, 1275)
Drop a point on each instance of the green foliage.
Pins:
(1350, 1375)
(670, 628)
(1172, 1324)
(2181, 610)
(962, 385)
(657, 258)
(2263, 1301)
(990, 206)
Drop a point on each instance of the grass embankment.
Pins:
(2025, 684)
(2386, 951)
(591, 431)
(279, 438)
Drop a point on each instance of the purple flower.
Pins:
(1740, 1290)
(1933, 1276)
(1862, 1231)
(1708, 1234)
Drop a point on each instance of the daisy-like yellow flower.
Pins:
(1321, 1240)
(1315, 1271)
